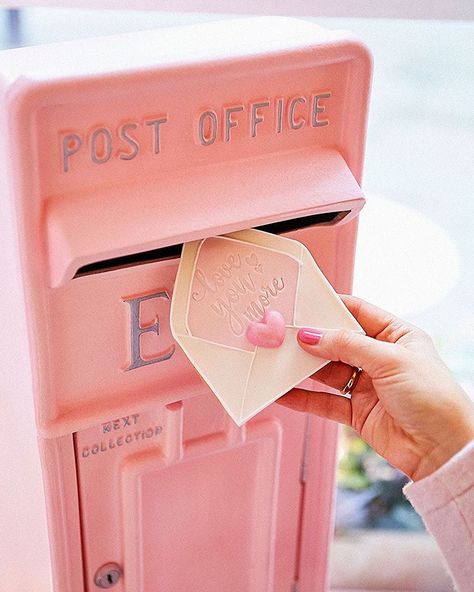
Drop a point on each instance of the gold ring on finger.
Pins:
(352, 382)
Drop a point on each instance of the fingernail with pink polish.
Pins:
(309, 336)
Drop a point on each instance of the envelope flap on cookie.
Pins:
(181, 289)
(269, 241)
(219, 366)
(325, 310)
(288, 365)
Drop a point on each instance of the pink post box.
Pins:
(119, 468)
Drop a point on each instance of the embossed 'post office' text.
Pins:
(101, 144)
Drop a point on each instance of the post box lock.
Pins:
(108, 575)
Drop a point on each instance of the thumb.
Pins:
(350, 347)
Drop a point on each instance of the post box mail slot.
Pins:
(119, 467)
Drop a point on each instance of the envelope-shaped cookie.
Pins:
(226, 283)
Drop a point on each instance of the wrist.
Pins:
(456, 439)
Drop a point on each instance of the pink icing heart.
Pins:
(269, 332)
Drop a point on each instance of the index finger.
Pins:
(371, 318)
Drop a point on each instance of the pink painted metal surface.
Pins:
(117, 150)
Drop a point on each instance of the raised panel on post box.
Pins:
(173, 487)
(119, 150)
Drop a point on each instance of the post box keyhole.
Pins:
(108, 575)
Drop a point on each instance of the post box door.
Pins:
(185, 500)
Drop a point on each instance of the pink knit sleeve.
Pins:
(445, 501)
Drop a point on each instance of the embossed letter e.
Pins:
(137, 331)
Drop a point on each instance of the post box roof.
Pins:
(168, 47)
(287, 99)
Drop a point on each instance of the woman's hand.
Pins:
(406, 405)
